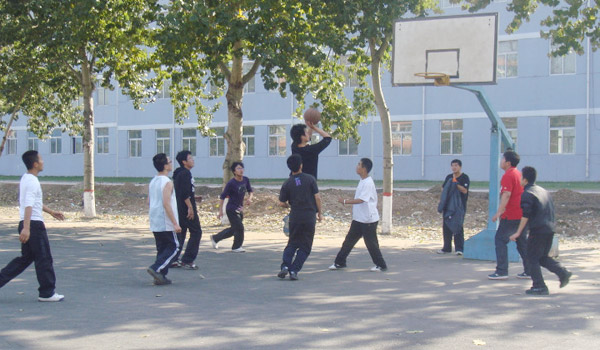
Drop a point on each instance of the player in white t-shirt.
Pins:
(164, 224)
(35, 246)
(364, 220)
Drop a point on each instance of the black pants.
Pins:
(507, 228)
(369, 234)
(459, 239)
(302, 234)
(36, 250)
(191, 250)
(236, 230)
(538, 247)
(167, 246)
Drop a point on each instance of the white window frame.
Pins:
(163, 143)
(216, 144)
(452, 132)
(32, 142)
(248, 136)
(277, 138)
(102, 96)
(56, 142)
(561, 61)
(189, 142)
(513, 131)
(447, 4)
(102, 141)
(351, 79)
(562, 139)
(76, 144)
(402, 135)
(165, 92)
(508, 56)
(11, 142)
(134, 142)
(250, 86)
(347, 147)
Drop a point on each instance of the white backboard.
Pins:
(463, 47)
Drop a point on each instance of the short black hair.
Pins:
(294, 162)
(296, 132)
(367, 164)
(182, 156)
(457, 161)
(234, 165)
(512, 157)
(160, 160)
(530, 174)
(29, 158)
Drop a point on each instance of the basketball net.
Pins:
(440, 79)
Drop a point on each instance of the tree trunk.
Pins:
(89, 201)
(233, 136)
(386, 128)
(13, 116)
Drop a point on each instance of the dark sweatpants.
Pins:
(236, 230)
(507, 228)
(300, 243)
(369, 234)
(191, 250)
(538, 247)
(166, 248)
(459, 239)
(37, 250)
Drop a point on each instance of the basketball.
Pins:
(312, 115)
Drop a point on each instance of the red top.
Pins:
(511, 182)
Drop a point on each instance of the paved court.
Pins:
(235, 301)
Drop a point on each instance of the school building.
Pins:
(548, 104)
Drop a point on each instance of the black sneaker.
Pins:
(565, 280)
(159, 278)
(293, 275)
(537, 291)
(283, 272)
(496, 276)
(523, 276)
(164, 283)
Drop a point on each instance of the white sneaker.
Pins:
(215, 245)
(55, 297)
(442, 252)
(238, 250)
(377, 269)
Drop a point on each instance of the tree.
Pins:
(203, 45)
(91, 42)
(370, 34)
(569, 25)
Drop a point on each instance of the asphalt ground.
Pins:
(235, 301)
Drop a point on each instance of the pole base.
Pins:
(483, 247)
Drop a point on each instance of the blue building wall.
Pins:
(533, 96)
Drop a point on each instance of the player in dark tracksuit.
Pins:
(538, 215)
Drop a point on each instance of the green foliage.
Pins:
(571, 21)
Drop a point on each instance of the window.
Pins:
(447, 3)
(103, 96)
(451, 136)
(508, 59)
(277, 141)
(562, 64)
(251, 84)
(217, 143)
(248, 138)
(56, 141)
(77, 144)
(511, 126)
(562, 134)
(11, 142)
(32, 142)
(163, 141)
(189, 140)
(135, 143)
(401, 138)
(348, 147)
(102, 140)
(351, 79)
(165, 91)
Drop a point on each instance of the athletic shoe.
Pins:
(565, 280)
(442, 252)
(215, 245)
(55, 297)
(336, 267)
(283, 272)
(293, 275)
(537, 291)
(496, 276)
(378, 269)
(459, 253)
(189, 266)
(523, 276)
(238, 250)
(176, 264)
(159, 278)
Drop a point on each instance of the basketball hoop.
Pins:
(440, 79)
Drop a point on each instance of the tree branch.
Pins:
(252, 72)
